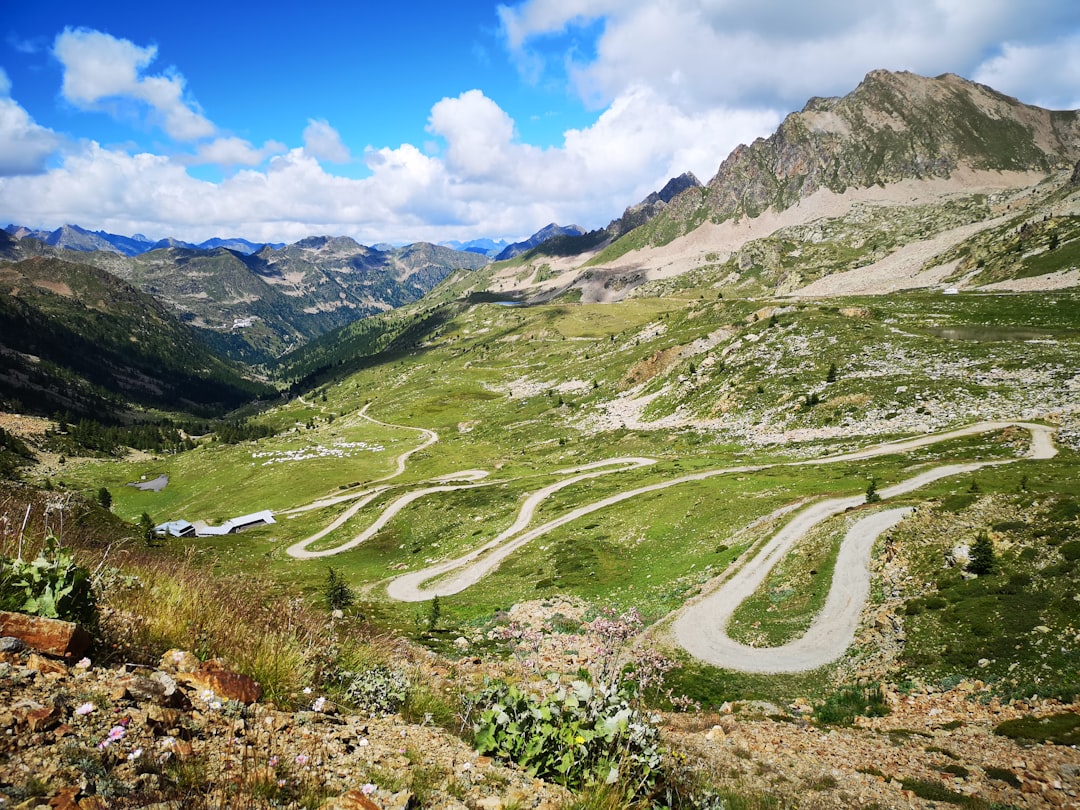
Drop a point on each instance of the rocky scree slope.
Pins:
(892, 127)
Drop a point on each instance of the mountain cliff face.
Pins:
(928, 178)
(637, 215)
(892, 127)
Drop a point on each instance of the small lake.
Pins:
(992, 334)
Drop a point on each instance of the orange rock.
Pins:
(351, 800)
(42, 719)
(50, 636)
(66, 799)
(223, 682)
(45, 666)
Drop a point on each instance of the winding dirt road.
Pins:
(700, 626)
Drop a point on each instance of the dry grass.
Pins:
(278, 639)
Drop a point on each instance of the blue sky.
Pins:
(437, 121)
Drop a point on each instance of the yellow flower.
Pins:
(579, 740)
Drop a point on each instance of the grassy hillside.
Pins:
(79, 340)
(527, 393)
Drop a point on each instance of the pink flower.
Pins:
(84, 708)
(368, 789)
(301, 759)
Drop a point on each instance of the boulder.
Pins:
(224, 683)
(49, 636)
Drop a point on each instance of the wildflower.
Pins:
(115, 733)
(135, 754)
(307, 690)
(84, 708)
(215, 705)
(319, 704)
(207, 695)
(83, 663)
(368, 789)
(301, 759)
(273, 761)
(363, 743)
(579, 740)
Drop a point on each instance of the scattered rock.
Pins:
(224, 683)
(49, 636)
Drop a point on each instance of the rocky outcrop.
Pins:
(637, 215)
(50, 636)
(80, 736)
(892, 127)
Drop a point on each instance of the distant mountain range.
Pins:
(72, 237)
(907, 180)
(255, 306)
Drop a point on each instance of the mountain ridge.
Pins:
(933, 139)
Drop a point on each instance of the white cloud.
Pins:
(478, 133)
(99, 67)
(1046, 75)
(232, 151)
(703, 54)
(484, 183)
(24, 145)
(323, 142)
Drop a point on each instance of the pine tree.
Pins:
(338, 593)
(871, 492)
(434, 611)
(104, 498)
(981, 560)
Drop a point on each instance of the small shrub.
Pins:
(872, 495)
(982, 556)
(1002, 775)
(933, 791)
(1060, 729)
(52, 585)
(1071, 550)
(576, 736)
(376, 691)
(843, 706)
(339, 595)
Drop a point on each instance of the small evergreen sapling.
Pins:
(872, 495)
(981, 561)
(339, 595)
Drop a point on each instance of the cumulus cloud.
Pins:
(1047, 75)
(323, 142)
(703, 54)
(99, 67)
(232, 151)
(478, 133)
(24, 145)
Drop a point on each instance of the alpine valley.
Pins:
(766, 494)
